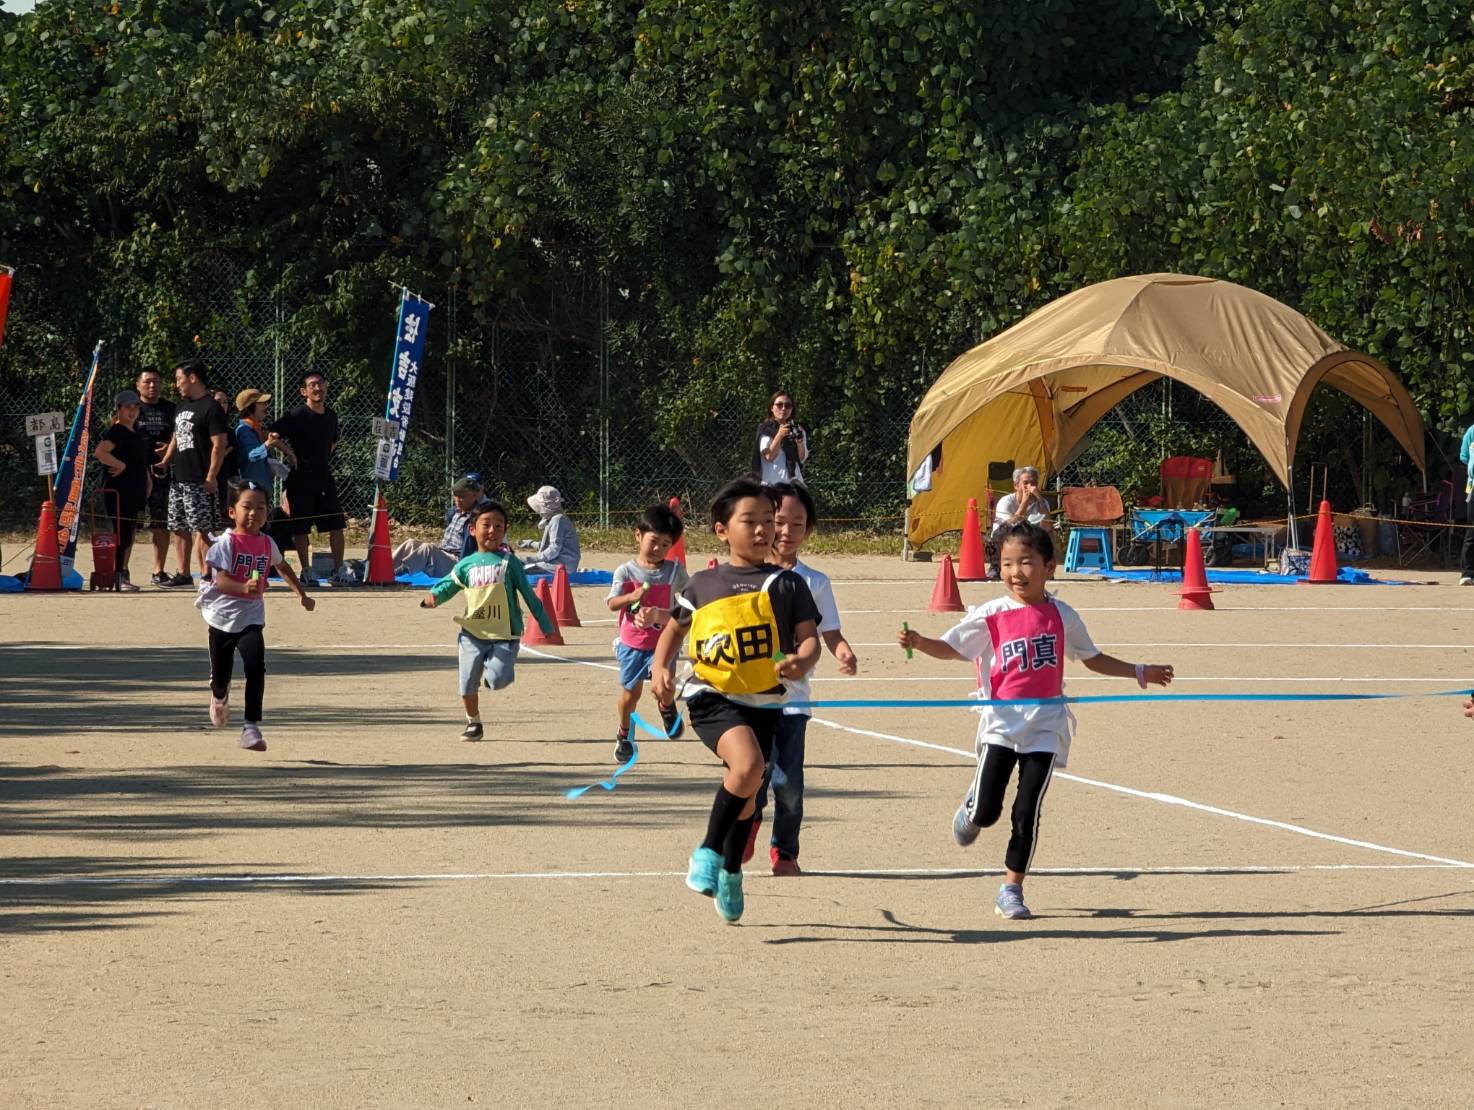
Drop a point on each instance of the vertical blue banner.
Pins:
(404, 377)
(71, 472)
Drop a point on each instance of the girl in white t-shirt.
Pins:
(233, 602)
(1018, 643)
(782, 444)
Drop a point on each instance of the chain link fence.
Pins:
(529, 396)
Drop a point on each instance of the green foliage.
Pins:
(835, 197)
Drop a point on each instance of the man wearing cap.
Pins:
(438, 560)
(253, 443)
(126, 452)
(559, 543)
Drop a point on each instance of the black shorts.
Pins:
(158, 504)
(712, 715)
(315, 505)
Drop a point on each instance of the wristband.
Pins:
(1141, 675)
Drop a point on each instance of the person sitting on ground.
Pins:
(1025, 505)
(439, 559)
(559, 543)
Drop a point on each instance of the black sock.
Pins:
(724, 810)
(623, 733)
(736, 844)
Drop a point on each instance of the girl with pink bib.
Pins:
(233, 602)
(1019, 643)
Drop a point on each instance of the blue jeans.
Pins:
(785, 772)
(491, 661)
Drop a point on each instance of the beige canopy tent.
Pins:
(1031, 393)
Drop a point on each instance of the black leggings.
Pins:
(223, 646)
(995, 768)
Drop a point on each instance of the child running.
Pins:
(753, 627)
(1016, 643)
(795, 520)
(232, 600)
(491, 630)
(642, 596)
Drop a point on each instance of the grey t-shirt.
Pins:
(669, 574)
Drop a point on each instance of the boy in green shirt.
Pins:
(491, 630)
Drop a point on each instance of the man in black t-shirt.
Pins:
(156, 424)
(309, 495)
(197, 451)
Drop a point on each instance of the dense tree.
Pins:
(834, 196)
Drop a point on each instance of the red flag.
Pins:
(4, 298)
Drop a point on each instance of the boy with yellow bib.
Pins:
(751, 627)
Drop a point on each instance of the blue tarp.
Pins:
(10, 584)
(1346, 576)
(577, 578)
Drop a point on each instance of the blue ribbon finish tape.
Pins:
(636, 722)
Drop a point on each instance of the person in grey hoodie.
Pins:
(559, 543)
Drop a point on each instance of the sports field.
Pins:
(1237, 904)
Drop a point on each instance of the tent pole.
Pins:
(1290, 499)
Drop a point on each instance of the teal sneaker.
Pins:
(702, 875)
(729, 896)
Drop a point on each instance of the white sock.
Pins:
(470, 720)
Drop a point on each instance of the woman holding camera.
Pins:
(782, 444)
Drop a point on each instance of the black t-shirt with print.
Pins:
(133, 451)
(195, 422)
(155, 423)
(312, 436)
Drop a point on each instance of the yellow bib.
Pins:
(733, 642)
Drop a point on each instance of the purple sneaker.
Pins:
(251, 738)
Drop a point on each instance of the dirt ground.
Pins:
(1240, 903)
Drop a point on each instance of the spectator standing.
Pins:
(156, 423)
(197, 451)
(782, 443)
(310, 496)
(253, 444)
(230, 468)
(468, 498)
(559, 542)
(127, 454)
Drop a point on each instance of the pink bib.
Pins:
(247, 554)
(1028, 652)
(645, 639)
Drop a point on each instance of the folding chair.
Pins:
(1091, 512)
(1185, 480)
(1424, 529)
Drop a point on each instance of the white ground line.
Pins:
(1155, 796)
(1238, 644)
(1167, 799)
(231, 879)
(1451, 682)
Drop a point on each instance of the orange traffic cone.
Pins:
(46, 564)
(970, 559)
(563, 609)
(380, 561)
(533, 633)
(1323, 552)
(678, 549)
(945, 597)
(1195, 593)
(712, 564)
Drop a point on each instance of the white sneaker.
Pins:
(219, 711)
(251, 738)
(1466, 581)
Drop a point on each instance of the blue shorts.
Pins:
(634, 665)
(491, 661)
